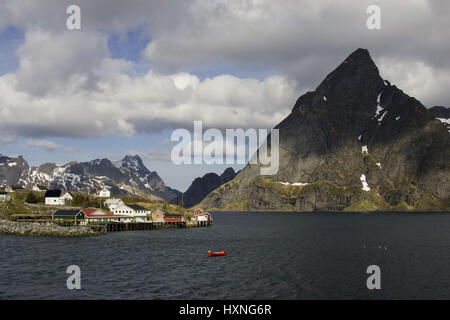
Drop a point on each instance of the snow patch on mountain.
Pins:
(293, 184)
(365, 185)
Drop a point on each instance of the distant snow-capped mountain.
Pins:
(127, 176)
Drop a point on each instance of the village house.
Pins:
(157, 216)
(57, 198)
(5, 197)
(202, 216)
(93, 215)
(113, 203)
(67, 197)
(103, 193)
(14, 188)
(72, 216)
(173, 218)
(139, 214)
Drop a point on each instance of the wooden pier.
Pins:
(204, 223)
(129, 226)
(133, 226)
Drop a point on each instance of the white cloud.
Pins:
(418, 79)
(47, 145)
(155, 155)
(59, 62)
(125, 103)
(7, 139)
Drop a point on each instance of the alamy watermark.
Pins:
(73, 21)
(237, 147)
(374, 20)
(374, 280)
(74, 280)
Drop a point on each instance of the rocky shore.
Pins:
(44, 229)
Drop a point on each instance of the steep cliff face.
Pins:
(201, 186)
(355, 143)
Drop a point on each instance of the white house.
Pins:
(113, 203)
(139, 214)
(202, 215)
(93, 215)
(5, 197)
(103, 193)
(67, 197)
(57, 198)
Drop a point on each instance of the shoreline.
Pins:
(23, 228)
(8, 227)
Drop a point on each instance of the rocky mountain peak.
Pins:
(228, 174)
(201, 186)
(440, 112)
(356, 76)
(355, 143)
(132, 162)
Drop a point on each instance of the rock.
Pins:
(200, 187)
(44, 229)
(321, 151)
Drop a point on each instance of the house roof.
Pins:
(114, 200)
(97, 213)
(17, 187)
(136, 207)
(89, 211)
(66, 213)
(173, 215)
(199, 212)
(53, 193)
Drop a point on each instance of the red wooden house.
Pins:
(173, 218)
(202, 215)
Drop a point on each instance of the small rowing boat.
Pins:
(217, 254)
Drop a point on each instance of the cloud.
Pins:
(7, 139)
(125, 104)
(304, 40)
(48, 145)
(59, 62)
(155, 155)
(68, 85)
(419, 80)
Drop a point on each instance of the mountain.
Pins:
(356, 143)
(442, 114)
(200, 187)
(127, 176)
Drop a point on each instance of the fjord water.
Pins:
(271, 256)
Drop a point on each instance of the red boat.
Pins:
(217, 254)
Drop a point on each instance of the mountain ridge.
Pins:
(201, 186)
(126, 176)
(356, 143)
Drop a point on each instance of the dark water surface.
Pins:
(271, 256)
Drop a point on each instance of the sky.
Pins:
(138, 69)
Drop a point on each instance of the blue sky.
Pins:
(10, 39)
